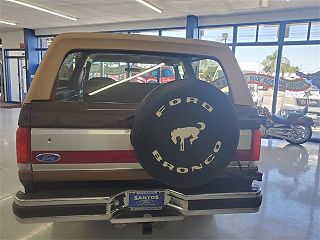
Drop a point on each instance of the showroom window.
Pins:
(300, 82)
(180, 33)
(218, 34)
(247, 33)
(268, 33)
(315, 31)
(152, 33)
(296, 32)
(299, 67)
(258, 64)
(43, 44)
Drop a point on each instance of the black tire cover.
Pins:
(185, 133)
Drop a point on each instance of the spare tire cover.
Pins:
(185, 133)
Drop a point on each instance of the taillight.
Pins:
(23, 145)
(255, 145)
(252, 153)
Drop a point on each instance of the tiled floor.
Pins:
(290, 209)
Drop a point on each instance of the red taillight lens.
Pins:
(255, 145)
(23, 145)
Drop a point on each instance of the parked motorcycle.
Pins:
(294, 127)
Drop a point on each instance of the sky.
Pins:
(305, 57)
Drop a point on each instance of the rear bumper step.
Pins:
(115, 208)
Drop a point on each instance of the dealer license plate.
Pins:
(151, 200)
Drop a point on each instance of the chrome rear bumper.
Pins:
(115, 208)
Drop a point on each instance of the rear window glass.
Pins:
(210, 71)
(129, 77)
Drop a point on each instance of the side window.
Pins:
(211, 71)
(66, 79)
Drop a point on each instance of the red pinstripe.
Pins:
(125, 156)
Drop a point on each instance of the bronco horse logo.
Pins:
(186, 132)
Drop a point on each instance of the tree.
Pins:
(287, 68)
(209, 73)
(270, 62)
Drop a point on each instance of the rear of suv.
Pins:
(97, 141)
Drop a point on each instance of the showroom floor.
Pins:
(290, 209)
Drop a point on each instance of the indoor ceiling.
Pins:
(114, 11)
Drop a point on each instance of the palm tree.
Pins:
(270, 62)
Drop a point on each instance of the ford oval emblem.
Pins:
(48, 157)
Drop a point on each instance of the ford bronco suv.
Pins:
(95, 143)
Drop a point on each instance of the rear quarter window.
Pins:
(210, 70)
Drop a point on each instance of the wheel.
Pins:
(185, 133)
(304, 134)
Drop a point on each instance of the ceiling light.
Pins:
(150, 6)
(8, 23)
(42, 9)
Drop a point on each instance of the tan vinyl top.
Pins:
(43, 83)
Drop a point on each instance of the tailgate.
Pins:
(91, 142)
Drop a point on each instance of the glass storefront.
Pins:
(247, 33)
(152, 33)
(43, 44)
(301, 71)
(180, 33)
(256, 48)
(218, 34)
(296, 32)
(268, 32)
(258, 65)
(315, 31)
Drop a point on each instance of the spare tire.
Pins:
(185, 133)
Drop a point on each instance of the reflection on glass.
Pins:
(247, 33)
(296, 32)
(221, 34)
(268, 33)
(180, 33)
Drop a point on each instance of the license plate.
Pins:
(146, 200)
